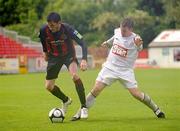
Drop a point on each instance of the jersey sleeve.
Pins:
(42, 39)
(75, 35)
(110, 41)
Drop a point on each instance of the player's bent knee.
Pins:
(49, 86)
(136, 94)
(97, 89)
(95, 92)
(75, 77)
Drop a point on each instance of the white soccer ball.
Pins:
(56, 115)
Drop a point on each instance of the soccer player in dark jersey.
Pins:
(57, 41)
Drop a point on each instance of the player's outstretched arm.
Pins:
(104, 44)
(108, 42)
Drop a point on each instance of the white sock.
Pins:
(90, 100)
(149, 102)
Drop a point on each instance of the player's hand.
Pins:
(83, 65)
(104, 44)
(45, 56)
(138, 40)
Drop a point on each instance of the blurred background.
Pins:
(157, 22)
(24, 102)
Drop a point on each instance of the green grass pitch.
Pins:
(24, 103)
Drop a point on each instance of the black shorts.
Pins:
(55, 64)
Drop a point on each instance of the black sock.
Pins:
(81, 92)
(59, 94)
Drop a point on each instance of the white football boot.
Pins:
(81, 114)
(84, 113)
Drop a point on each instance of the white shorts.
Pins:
(125, 77)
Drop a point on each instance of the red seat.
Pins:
(10, 48)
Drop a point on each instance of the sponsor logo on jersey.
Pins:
(56, 42)
(119, 50)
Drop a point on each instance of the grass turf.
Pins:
(24, 103)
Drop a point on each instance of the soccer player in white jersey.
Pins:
(119, 66)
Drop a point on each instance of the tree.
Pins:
(9, 13)
(153, 7)
(78, 13)
(95, 19)
(144, 25)
(14, 12)
(105, 24)
(172, 17)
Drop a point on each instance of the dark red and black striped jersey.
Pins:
(60, 44)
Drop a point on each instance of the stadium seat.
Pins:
(11, 49)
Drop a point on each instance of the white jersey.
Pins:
(123, 53)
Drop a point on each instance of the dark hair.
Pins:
(53, 16)
(127, 22)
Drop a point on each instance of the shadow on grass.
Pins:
(118, 120)
(126, 120)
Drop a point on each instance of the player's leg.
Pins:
(55, 90)
(130, 83)
(104, 78)
(146, 99)
(97, 89)
(52, 73)
(78, 83)
(90, 98)
(79, 88)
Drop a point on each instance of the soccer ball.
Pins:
(56, 115)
